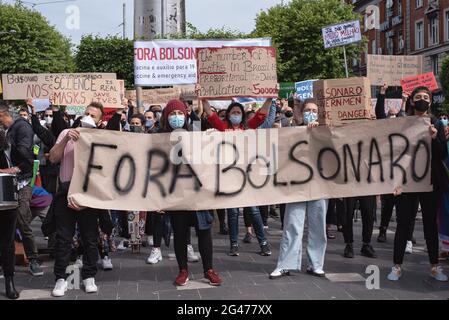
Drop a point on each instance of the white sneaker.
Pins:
(409, 247)
(121, 245)
(89, 285)
(279, 273)
(395, 274)
(60, 288)
(107, 263)
(79, 262)
(437, 274)
(155, 256)
(191, 256)
(150, 241)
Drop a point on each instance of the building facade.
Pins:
(406, 27)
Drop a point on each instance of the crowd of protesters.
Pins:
(42, 145)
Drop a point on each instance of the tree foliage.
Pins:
(110, 54)
(295, 29)
(35, 46)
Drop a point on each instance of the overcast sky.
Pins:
(103, 17)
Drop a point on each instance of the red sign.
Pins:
(427, 80)
(108, 113)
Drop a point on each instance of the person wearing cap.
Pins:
(175, 117)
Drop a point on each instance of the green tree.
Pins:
(34, 46)
(444, 79)
(295, 29)
(110, 54)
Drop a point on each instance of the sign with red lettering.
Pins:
(343, 100)
(230, 72)
(41, 85)
(427, 80)
(171, 62)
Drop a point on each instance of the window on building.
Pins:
(419, 35)
(433, 31)
(400, 41)
(373, 47)
(390, 45)
(434, 62)
(419, 3)
(399, 7)
(446, 25)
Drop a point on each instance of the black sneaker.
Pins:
(349, 251)
(247, 238)
(223, 230)
(234, 251)
(368, 251)
(35, 269)
(382, 235)
(265, 250)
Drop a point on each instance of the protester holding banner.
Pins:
(236, 120)
(175, 117)
(420, 101)
(388, 201)
(67, 213)
(290, 252)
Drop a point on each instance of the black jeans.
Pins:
(66, 220)
(158, 229)
(405, 207)
(336, 212)
(368, 209)
(7, 233)
(388, 202)
(221, 213)
(264, 214)
(181, 224)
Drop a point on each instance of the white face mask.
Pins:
(48, 120)
(88, 122)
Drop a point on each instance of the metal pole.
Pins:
(163, 18)
(346, 61)
(124, 20)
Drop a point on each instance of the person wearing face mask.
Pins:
(290, 251)
(236, 120)
(137, 123)
(174, 117)
(443, 118)
(67, 213)
(150, 122)
(157, 110)
(389, 201)
(419, 104)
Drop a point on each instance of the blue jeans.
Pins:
(290, 252)
(256, 219)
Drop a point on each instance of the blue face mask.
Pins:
(176, 121)
(235, 119)
(444, 122)
(310, 117)
(149, 123)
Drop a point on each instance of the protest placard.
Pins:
(343, 100)
(249, 168)
(155, 96)
(389, 70)
(75, 110)
(304, 89)
(40, 85)
(426, 80)
(105, 91)
(341, 34)
(230, 72)
(286, 90)
(172, 62)
(390, 104)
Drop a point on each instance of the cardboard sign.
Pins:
(343, 100)
(173, 62)
(391, 70)
(105, 91)
(40, 85)
(75, 110)
(249, 168)
(304, 89)
(341, 34)
(427, 80)
(237, 72)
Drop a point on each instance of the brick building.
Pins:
(407, 27)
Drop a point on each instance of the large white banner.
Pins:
(172, 62)
(341, 34)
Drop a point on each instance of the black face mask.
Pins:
(421, 105)
(136, 129)
(123, 123)
(289, 114)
